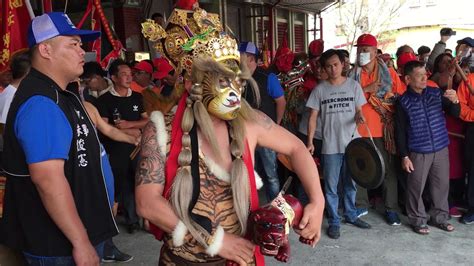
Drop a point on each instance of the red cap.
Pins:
(144, 66)
(316, 47)
(162, 66)
(366, 40)
(405, 58)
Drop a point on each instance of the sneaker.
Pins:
(454, 212)
(359, 223)
(468, 218)
(361, 212)
(118, 256)
(333, 231)
(392, 218)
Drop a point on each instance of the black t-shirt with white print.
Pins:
(130, 108)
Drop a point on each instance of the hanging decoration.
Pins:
(100, 23)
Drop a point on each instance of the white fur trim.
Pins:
(179, 233)
(223, 175)
(161, 135)
(216, 169)
(258, 180)
(216, 245)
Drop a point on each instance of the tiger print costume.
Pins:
(214, 201)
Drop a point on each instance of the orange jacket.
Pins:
(466, 99)
(373, 118)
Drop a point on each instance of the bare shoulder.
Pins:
(264, 120)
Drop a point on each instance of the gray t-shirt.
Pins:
(303, 126)
(337, 107)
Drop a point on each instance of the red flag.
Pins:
(15, 21)
(96, 25)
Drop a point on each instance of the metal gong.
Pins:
(365, 163)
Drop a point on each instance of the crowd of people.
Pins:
(170, 143)
(416, 112)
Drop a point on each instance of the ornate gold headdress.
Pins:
(190, 34)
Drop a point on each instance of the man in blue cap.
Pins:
(56, 202)
(272, 103)
(465, 49)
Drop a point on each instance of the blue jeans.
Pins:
(266, 164)
(335, 170)
(34, 260)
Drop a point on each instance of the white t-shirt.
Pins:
(6, 98)
(337, 107)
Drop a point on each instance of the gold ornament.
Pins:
(176, 38)
(152, 31)
(190, 34)
(206, 20)
(179, 16)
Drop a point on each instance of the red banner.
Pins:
(15, 21)
(100, 23)
(97, 25)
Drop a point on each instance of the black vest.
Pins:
(267, 103)
(26, 223)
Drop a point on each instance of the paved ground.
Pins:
(381, 245)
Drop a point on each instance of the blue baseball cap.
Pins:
(248, 47)
(50, 25)
(468, 40)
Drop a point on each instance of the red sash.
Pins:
(171, 168)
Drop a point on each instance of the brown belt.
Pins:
(168, 258)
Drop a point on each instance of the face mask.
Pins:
(226, 104)
(364, 59)
(466, 55)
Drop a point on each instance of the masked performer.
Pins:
(195, 179)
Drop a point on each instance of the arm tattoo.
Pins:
(151, 166)
(265, 121)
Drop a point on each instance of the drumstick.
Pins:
(450, 83)
(134, 152)
(456, 135)
(461, 72)
(464, 78)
